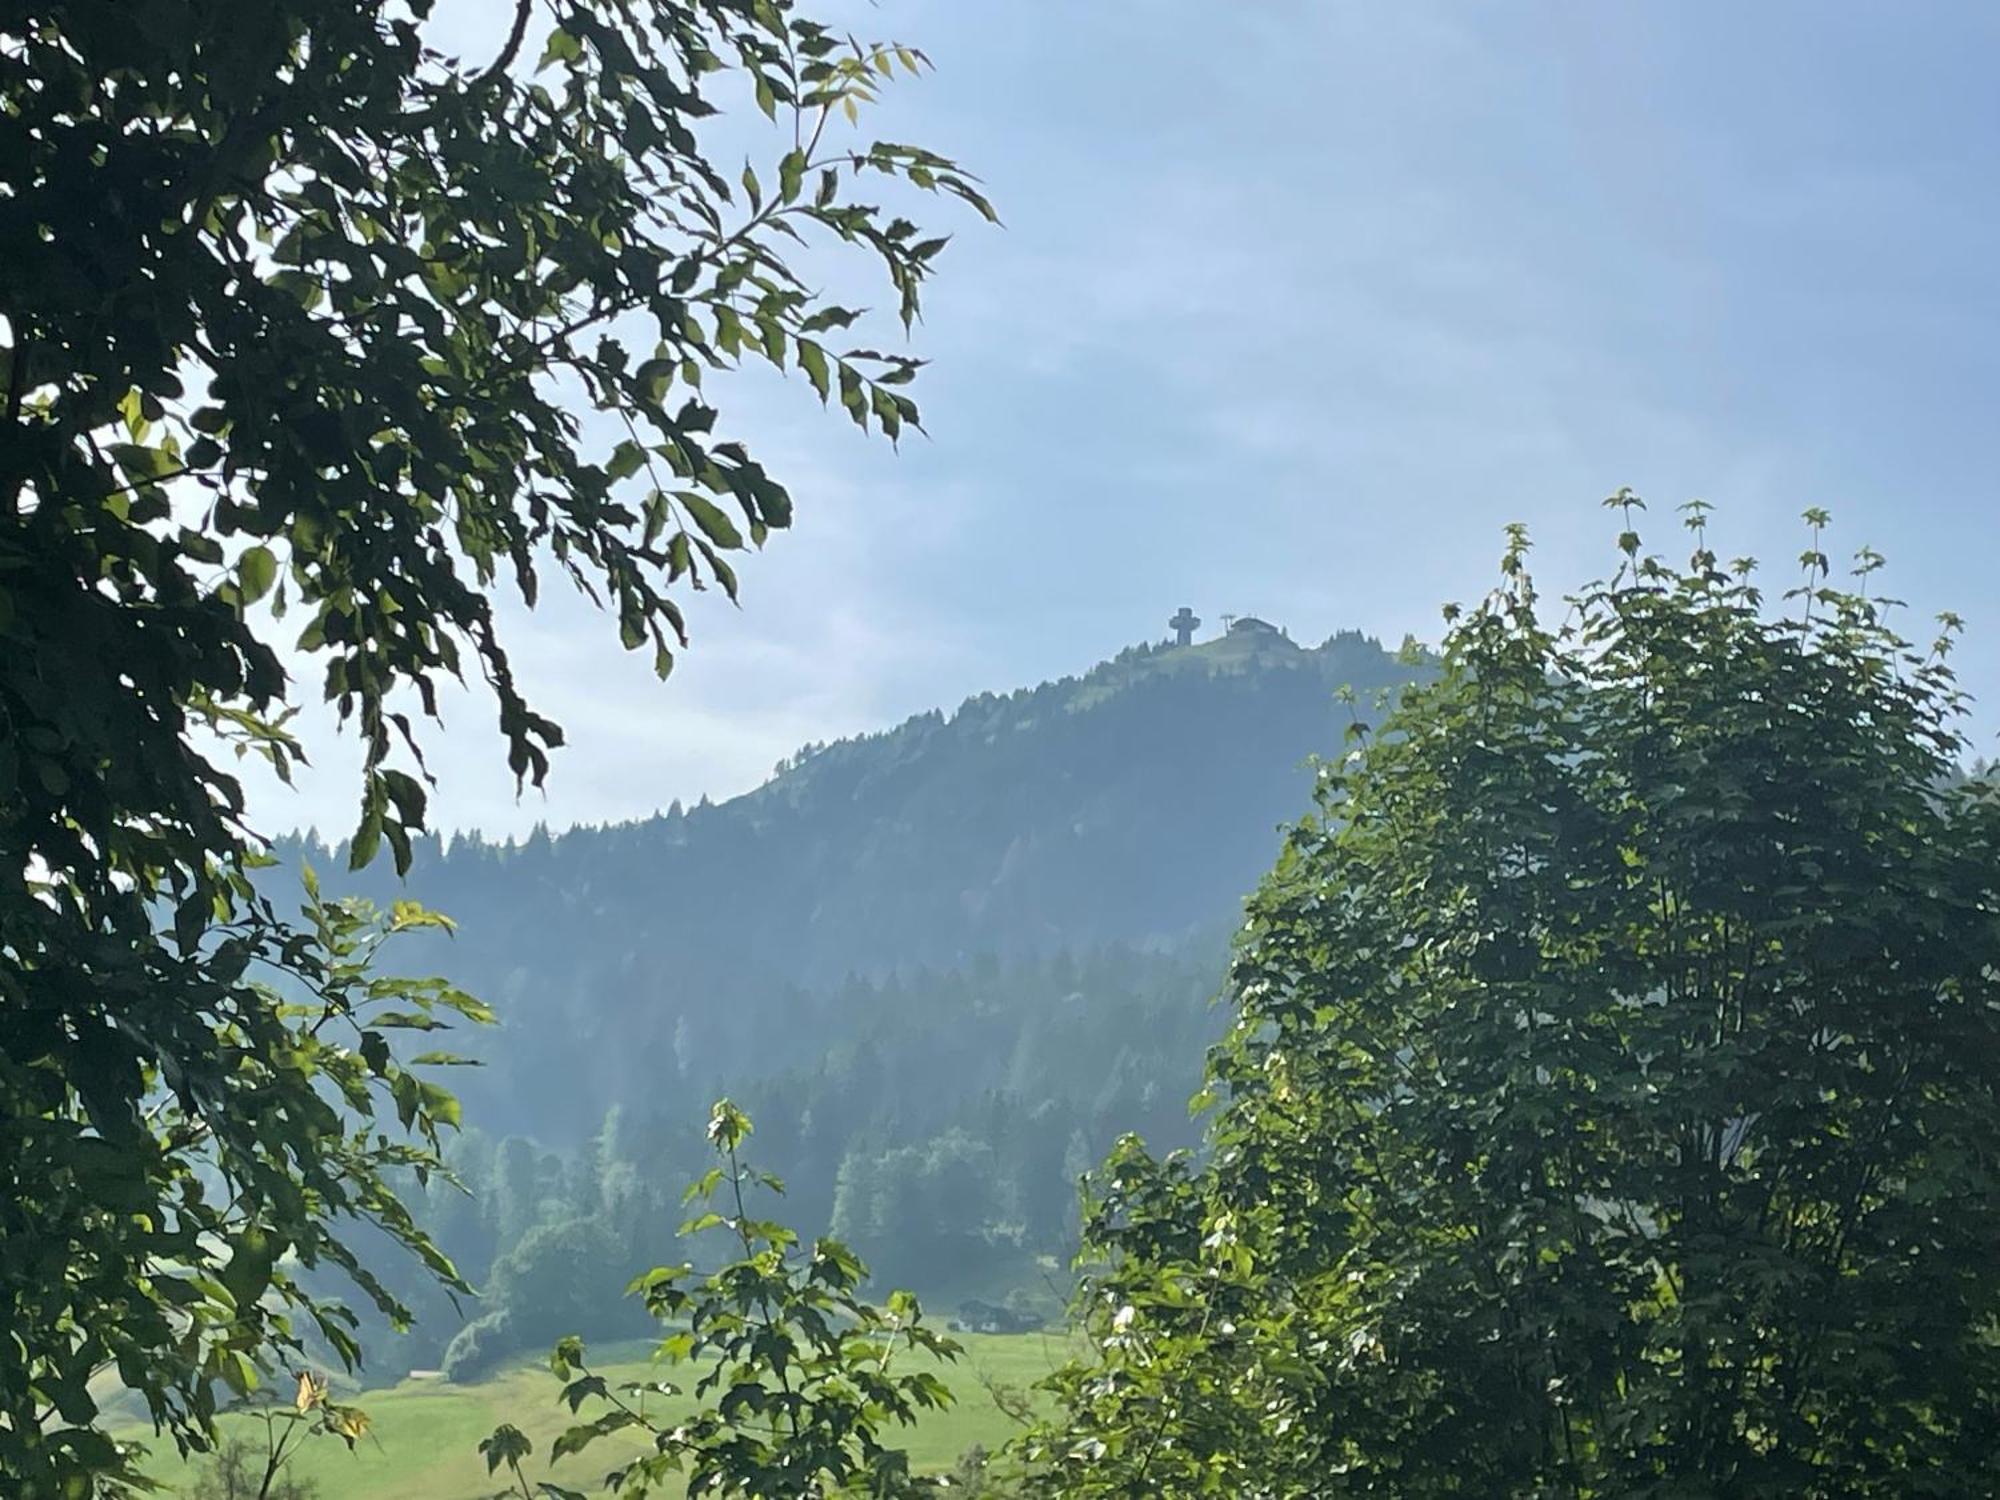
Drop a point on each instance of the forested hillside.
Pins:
(944, 966)
(1134, 805)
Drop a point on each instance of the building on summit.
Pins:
(1185, 622)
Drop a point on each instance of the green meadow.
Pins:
(424, 1434)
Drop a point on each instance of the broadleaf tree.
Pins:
(1612, 1101)
(312, 340)
(796, 1380)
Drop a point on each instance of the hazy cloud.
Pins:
(1296, 306)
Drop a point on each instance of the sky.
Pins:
(1296, 305)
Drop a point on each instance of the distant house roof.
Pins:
(1250, 624)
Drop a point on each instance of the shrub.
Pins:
(481, 1344)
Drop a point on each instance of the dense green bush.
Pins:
(1612, 1105)
(481, 1344)
(562, 1278)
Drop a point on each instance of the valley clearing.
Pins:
(425, 1434)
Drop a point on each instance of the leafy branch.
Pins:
(795, 1379)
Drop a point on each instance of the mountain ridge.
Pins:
(1133, 804)
(943, 966)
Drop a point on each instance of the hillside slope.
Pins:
(944, 967)
(1134, 805)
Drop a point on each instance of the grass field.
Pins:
(424, 1442)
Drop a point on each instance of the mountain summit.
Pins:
(1134, 805)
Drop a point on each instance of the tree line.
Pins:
(943, 1135)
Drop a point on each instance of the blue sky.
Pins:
(1296, 305)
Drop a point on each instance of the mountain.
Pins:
(1133, 805)
(943, 966)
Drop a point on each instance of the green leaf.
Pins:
(256, 571)
(812, 359)
(562, 46)
(714, 524)
(506, 1445)
(791, 176)
(626, 460)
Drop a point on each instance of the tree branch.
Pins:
(509, 52)
(516, 34)
(17, 387)
(17, 374)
